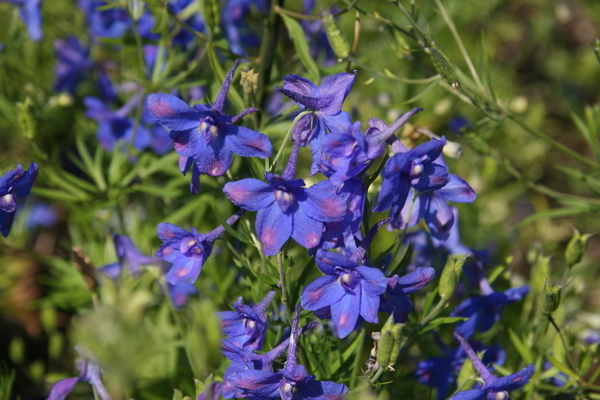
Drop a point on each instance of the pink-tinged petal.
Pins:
(473, 394)
(299, 85)
(184, 269)
(62, 388)
(374, 282)
(328, 260)
(170, 233)
(416, 279)
(434, 177)
(257, 383)
(439, 217)
(273, 228)
(172, 112)
(184, 142)
(322, 292)
(457, 190)
(313, 103)
(513, 381)
(344, 314)
(336, 88)
(247, 143)
(322, 205)
(214, 159)
(167, 253)
(250, 194)
(305, 230)
(333, 390)
(368, 306)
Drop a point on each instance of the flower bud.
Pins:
(576, 248)
(450, 276)
(452, 150)
(551, 299)
(336, 36)
(442, 64)
(249, 81)
(389, 343)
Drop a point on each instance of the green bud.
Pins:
(25, 118)
(450, 276)
(576, 248)
(389, 343)
(442, 64)
(336, 36)
(551, 299)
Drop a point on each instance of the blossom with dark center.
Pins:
(286, 209)
(352, 291)
(493, 388)
(205, 134)
(14, 185)
(246, 327)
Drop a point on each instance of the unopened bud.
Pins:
(442, 64)
(450, 276)
(25, 118)
(576, 248)
(389, 343)
(249, 81)
(336, 36)
(551, 299)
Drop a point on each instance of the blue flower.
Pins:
(130, 258)
(494, 388)
(188, 251)
(108, 23)
(247, 326)
(285, 208)
(88, 372)
(239, 35)
(14, 185)
(350, 290)
(395, 301)
(325, 105)
(30, 11)
(73, 63)
(205, 134)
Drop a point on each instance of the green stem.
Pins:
(287, 137)
(564, 343)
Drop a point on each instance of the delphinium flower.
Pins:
(246, 327)
(194, 21)
(106, 23)
(324, 104)
(441, 372)
(31, 14)
(186, 250)
(204, 134)
(291, 382)
(41, 214)
(395, 300)
(14, 185)
(286, 208)
(89, 372)
(234, 25)
(72, 64)
(493, 388)
(130, 258)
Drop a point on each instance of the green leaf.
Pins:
(522, 348)
(556, 213)
(562, 367)
(240, 236)
(299, 39)
(440, 321)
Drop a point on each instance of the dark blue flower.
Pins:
(204, 134)
(130, 258)
(14, 185)
(247, 326)
(286, 209)
(494, 388)
(106, 23)
(73, 63)
(239, 34)
(395, 301)
(324, 104)
(458, 125)
(31, 14)
(351, 291)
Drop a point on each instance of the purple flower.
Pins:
(73, 63)
(247, 326)
(14, 185)
(415, 168)
(188, 251)
(88, 372)
(211, 392)
(239, 35)
(494, 388)
(30, 11)
(395, 301)
(484, 311)
(114, 126)
(180, 292)
(286, 208)
(108, 23)
(194, 21)
(349, 289)
(325, 105)
(204, 134)
(130, 258)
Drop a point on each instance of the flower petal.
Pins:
(416, 279)
(247, 143)
(344, 313)
(172, 112)
(322, 292)
(250, 194)
(457, 190)
(273, 228)
(306, 230)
